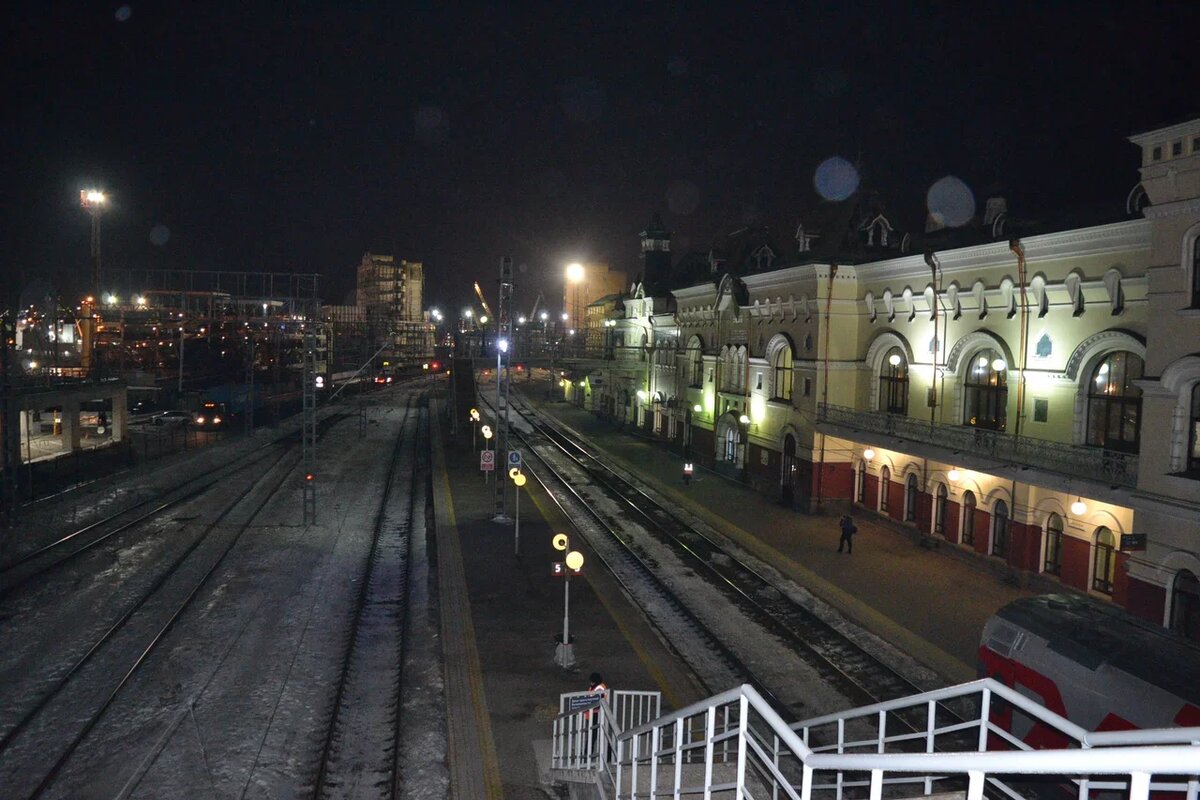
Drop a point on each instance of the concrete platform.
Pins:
(501, 612)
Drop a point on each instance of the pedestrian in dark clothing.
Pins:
(848, 531)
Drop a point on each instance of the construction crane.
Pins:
(536, 304)
(486, 308)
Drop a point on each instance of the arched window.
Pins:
(885, 476)
(781, 367)
(731, 444)
(862, 482)
(1052, 561)
(939, 509)
(1115, 403)
(986, 391)
(1193, 454)
(1185, 605)
(893, 383)
(1104, 560)
(968, 526)
(695, 359)
(910, 499)
(1000, 529)
(1196, 272)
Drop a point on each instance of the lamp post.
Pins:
(93, 201)
(519, 480)
(564, 653)
(575, 278)
(474, 426)
(487, 437)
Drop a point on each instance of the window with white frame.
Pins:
(910, 499)
(1104, 560)
(985, 391)
(1052, 559)
(939, 509)
(781, 371)
(1115, 403)
(1000, 529)
(968, 525)
(893, 382)
(885, 477)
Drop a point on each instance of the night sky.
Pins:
(296, 136)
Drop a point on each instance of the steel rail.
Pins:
(221, 472)
(323, 769)
(720, 650)
(56, 769)
(819, 640)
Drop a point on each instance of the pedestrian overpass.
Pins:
(961, 741)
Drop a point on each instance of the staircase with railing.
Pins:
(967, 739)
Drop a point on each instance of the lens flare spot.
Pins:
(836, 178)
(950, 202)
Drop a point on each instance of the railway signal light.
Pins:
(320, 381)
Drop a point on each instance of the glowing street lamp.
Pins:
(94, 201)
(564, 653)
(518, 478)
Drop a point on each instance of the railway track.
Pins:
(855, 673)
(360, 748)
(69, 705)
(24, 568)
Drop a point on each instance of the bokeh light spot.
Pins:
(159, 235)
(950, 202)
(835, 178)
(123, 13)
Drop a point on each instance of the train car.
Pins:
(1092, 663)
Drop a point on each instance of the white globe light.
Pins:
(999, 365)
(868, 454)
(894, 359)
(1078, 508)
(953, 474)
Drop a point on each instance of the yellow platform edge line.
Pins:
(451, 567)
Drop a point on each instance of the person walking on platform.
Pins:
(848, 531)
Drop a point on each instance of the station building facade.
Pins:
(1032, 398)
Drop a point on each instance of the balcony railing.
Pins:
(1076, 461)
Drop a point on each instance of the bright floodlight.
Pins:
(92, 198)
(565, 316)
(575, 272)
(503, 344)
(468, 313)
(520, 320)
(483, 320)
(544, 315)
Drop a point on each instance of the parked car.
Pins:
(173, 418)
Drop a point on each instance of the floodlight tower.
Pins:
(93, 201)
(503, 342)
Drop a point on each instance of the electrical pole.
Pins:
(309, 435)
(249, 409)
(503, 340)
(181, 362)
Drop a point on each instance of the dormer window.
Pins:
(1177, 149)
(763, 258)
(1156, 154)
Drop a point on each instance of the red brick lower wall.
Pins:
(1025, 546)
(924, 512)
(896, 500)
(1144, 600)
(1075, 562)
(837, 481)
(952, 513)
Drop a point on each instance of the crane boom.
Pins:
(486, 308)
(536, 304)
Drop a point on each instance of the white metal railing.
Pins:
(734, 744)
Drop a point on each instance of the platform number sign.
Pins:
(487, 460)
(514, 459)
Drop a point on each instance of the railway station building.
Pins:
(1027, 393)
